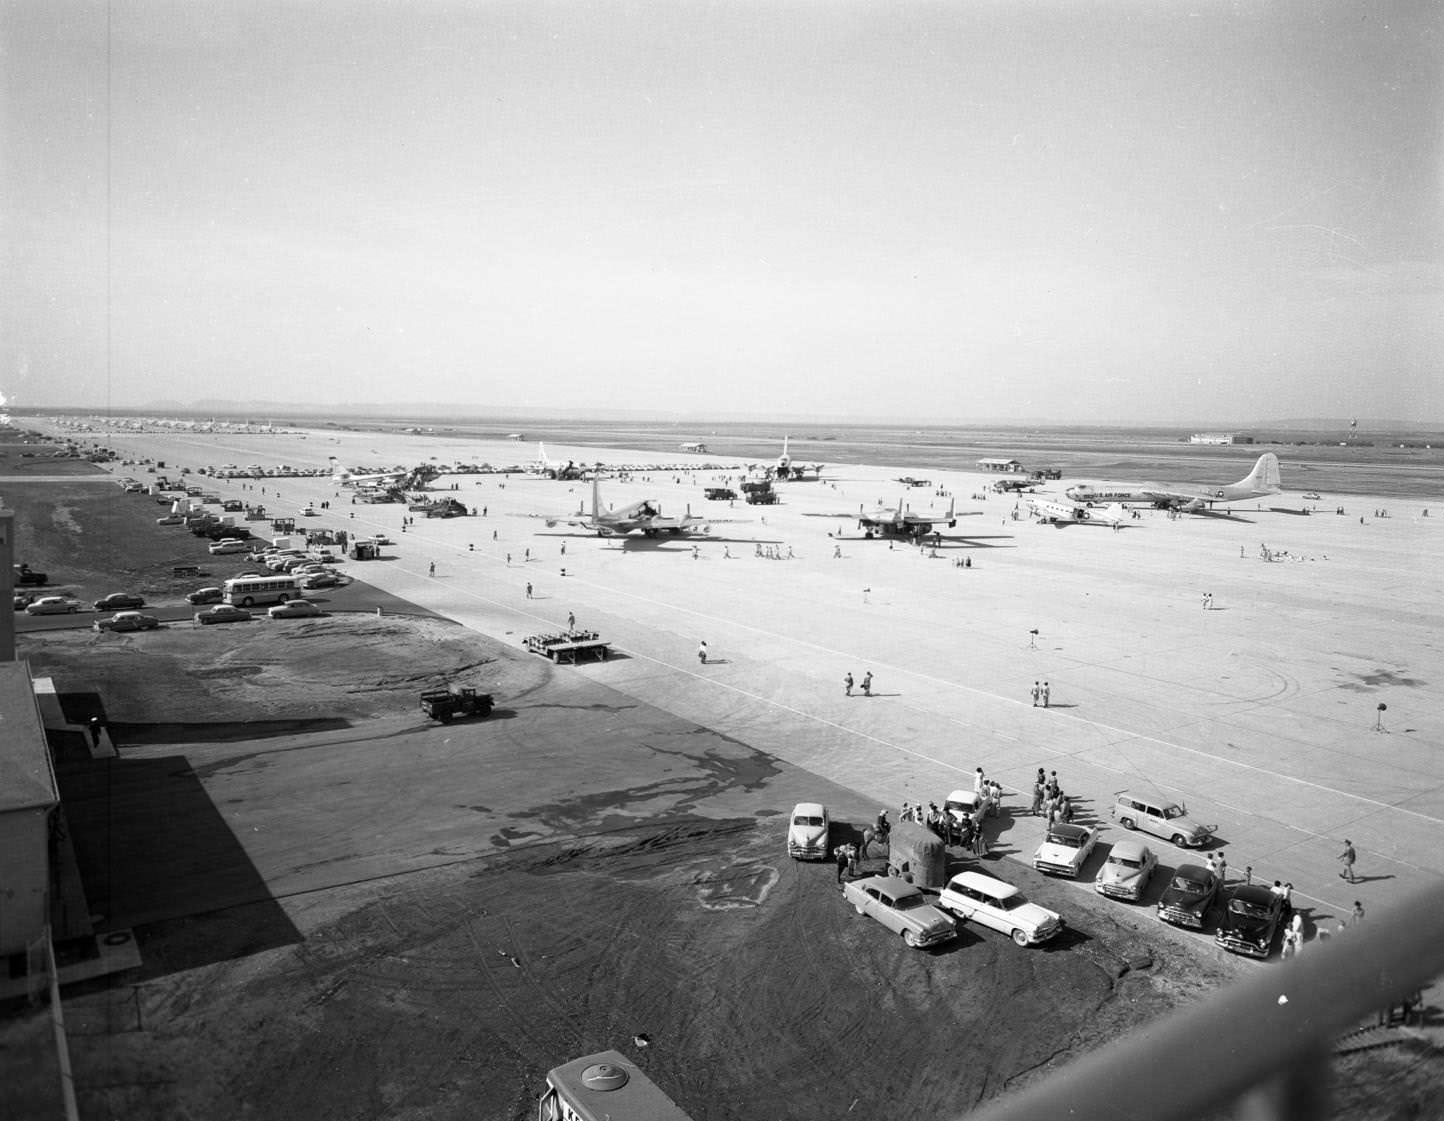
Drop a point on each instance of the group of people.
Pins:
(1041, 693)
(847, 684)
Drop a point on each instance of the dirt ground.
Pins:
(345, 912)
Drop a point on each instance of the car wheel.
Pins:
(1180, 840)
(1126, 822)
(1020, 937)
(247, 601)
(282, 597)
(910, 938)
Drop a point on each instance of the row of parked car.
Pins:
(1251, 918)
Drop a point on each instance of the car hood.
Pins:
(1057, 854)
(1030, 914)
(1245, 926)
(807, 834)
(1118, 874)
(928, 918)
(1189, 901)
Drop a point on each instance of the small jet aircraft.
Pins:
(898, 521)
(1065, 513)
(645, 516)
(1263, 480)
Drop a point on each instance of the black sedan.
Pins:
(1189, 894)
(1250, 921)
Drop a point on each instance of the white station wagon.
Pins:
(993, 903)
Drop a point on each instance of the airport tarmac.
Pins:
(1262, 713)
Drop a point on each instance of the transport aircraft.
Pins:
(556, 469)
(1263, 480)
(784, 468)
(645, 516)
(379, 478)
(1068, 513)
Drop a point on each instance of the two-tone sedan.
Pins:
(127, 621)
(52, 605)
(1188, 896)
(1127, 870)
(902, 908)
(1065, 849)
(222, 613)
(1250, 920)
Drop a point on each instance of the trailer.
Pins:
(569, 646)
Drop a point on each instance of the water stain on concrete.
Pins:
(736, 886)
(1377, 678)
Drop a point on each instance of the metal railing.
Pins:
(1263, 1042)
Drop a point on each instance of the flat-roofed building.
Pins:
(28, 798)
(1005, 466)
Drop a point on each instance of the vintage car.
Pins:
(222, 613)
(961, 805)
(807, 834)
(294, 609)
(902, 908)
(119, 601)
(319, 580)
(203, 595)
(991, 902)
(1065, 849)
(1162, 818)
(170, 519)
(52, 605)
(1188, 896)
(229, 545)
(1126, 872)
(1250, 919)
(127, 621)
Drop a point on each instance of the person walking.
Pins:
(1037, 798)
(1357, 916)
(980, 843)
(1347, 858)
(1045, 694)
(1222, 871)
(571, 621)
(1037, 693)
(431, 569)
(847, 684)
(528, 589)
(840, 855)
(867, 684)
(702, 652)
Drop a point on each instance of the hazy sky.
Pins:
(1094, 211)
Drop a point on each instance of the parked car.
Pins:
(24, 600)
(1250, 920)
(1126, 872)
(902, 908)
(228, 545)
(52, 605)
(993, 903)
(1065, 849)
(1162, 818)
(294, 609)
(963, 804)
(222, 613)
(319, 580)
(25, 576)
(127, 621)
(1311, 496)
(118, 601)
(807, 834)
(204, 595)
(1188, 896)
(170, 519)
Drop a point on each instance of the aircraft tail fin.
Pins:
(1265, 475)
(952, 511)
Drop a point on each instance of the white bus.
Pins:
(244, 591)
(604, 1087)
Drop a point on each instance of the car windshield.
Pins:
(910, 902)
(803, 819)
(1244, 907)
(1067, 840)
(1125, 862)
(1011, 902)
(1171, 812)
(1183, 883)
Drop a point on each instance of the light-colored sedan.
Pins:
(807, 835)
(295, 609)
(127, 621)
(1126, 872)
(1065, 849)
(170, 519)
(982, 899)
(902, 908)
(52, 605)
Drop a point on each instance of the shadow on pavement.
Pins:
(220, 731)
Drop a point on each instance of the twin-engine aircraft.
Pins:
(1067, 513)
(645, 516)
(899, 521)
(1263, 480)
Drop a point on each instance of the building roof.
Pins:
(27, 780)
